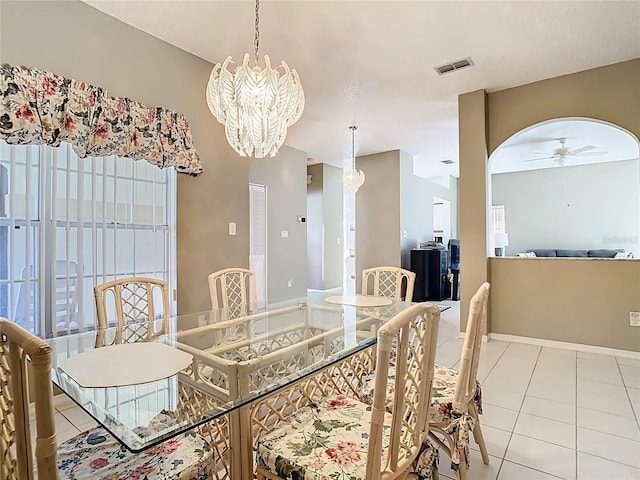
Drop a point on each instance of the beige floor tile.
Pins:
(604, 390)
(64, 435)
(542, 456)
(634, 396)
(62, 402)
(558, 411)
(477, 469)
(595, 468)
(498, 417)
(513, 471)
(76, 416)
(502, 397)
(62, 423)
(448, 354)
(617, 403)
(630, 375)
(83, 427)
(634, 362)
(597, 357)
(608, 423)
(604, 375)
(611, 447)
(601, 362)
(551, 391)
(551, 431)
(495, 439)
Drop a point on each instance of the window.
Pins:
(67, 224)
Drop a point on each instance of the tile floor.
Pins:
(548, 413)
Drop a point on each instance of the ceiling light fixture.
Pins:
(256, 105)
(353, 179)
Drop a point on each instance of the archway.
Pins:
(571, 184)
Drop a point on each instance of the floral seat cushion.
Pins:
(329, 441)
(441, 412)
(442, 390)
(96, 455)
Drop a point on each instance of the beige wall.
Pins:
(472, 197)
(588, 315)
(568, 300)
(77, 41)
(378, 212)
(285, 178)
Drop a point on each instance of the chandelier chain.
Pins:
(257, 37)
(353, 129)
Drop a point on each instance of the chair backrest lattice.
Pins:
(388, 282)
(470, 357)
(135, 307)
(17, 347)
(414, 332)
(234, 290)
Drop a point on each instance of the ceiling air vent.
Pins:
(452, 66)
(448, 162)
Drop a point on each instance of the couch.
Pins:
(600, 253)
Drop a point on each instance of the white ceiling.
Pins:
(371, 63)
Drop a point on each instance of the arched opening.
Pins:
(565, 187)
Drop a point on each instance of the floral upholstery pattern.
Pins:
(329, 441)
(95, 454)
(42, 108)
(441, 412)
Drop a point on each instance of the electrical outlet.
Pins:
(289, 283)
(634, 319)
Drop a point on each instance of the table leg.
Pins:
(241, 443)
(246, 437)
(235, 442)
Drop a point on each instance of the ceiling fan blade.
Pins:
(589, 154)
(580, 150)
(535, 159)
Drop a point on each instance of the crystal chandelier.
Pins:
(353, 179)
(256, 105)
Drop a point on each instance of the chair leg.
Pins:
(477, 435)
(463, 471)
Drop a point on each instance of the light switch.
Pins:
(284, 233)
(232, 228)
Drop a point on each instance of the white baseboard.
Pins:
(485, 338)
(541, 342)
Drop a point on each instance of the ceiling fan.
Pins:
(561, 153)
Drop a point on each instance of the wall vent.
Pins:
(448, 162)
(452, 66)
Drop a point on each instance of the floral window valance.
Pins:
(43, 108)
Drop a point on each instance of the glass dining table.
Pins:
(245, 370)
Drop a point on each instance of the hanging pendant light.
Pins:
(255, 104)
(353, 179)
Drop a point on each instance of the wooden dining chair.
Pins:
(332, 436)
(457, 400)
(388, 282)
(91, 455)
(234, 290)
(135, 302)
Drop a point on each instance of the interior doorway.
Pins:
(258, 239)
(441, 219)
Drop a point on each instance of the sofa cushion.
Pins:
(544, 252)
(571, 253)
(605, 253)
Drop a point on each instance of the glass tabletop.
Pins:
(234, 361)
